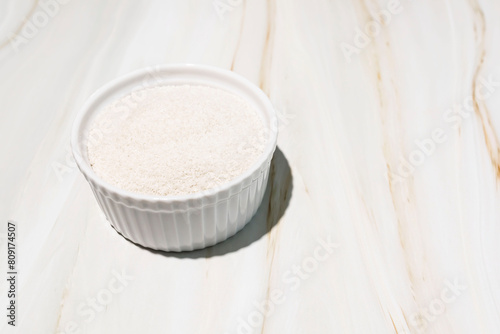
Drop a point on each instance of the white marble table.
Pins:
(382, 215)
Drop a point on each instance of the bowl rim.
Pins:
(203, 71)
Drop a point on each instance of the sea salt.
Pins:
(175, 140)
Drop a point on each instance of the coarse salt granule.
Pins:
(175, 140)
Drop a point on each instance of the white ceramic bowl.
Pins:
(178, 223)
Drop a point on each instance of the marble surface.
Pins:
(382, 214)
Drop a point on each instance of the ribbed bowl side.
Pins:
(183, 229)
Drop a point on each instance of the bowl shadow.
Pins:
(274, 204)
